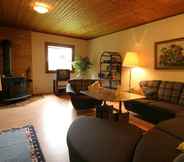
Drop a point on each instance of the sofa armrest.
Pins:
(70, 90)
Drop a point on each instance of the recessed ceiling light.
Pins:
(41, 8)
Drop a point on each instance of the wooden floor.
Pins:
(51, 116)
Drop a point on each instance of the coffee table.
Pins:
(106, 94)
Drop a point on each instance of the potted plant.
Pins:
(81, 66)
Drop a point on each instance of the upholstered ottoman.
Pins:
(98, 140)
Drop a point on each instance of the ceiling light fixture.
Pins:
(41, 8)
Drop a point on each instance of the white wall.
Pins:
(42, 81)
(141, 39)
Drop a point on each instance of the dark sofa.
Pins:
(80, 101)
(98, 140)
(164, 100)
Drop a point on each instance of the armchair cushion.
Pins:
(166, 107)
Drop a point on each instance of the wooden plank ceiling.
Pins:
(86, 18)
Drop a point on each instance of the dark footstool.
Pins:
(98, 140)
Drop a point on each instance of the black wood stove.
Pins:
(14, 87)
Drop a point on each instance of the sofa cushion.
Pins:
(160, 144)
(170, 91)
(166, 107)
(137, 105)
(147, 85)
(181, 101)
(157, 146)
(97, 140)
(173, 127)
(145, 111)
(177, 89)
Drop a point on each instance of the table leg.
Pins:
(120, 107)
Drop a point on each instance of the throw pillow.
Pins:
(149, 92)
(153, 84)
(95, 86)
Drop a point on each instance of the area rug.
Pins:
(20, 145)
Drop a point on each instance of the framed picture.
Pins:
(169, 54)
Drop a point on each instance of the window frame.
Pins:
(57, 45)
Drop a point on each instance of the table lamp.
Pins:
(131, 60)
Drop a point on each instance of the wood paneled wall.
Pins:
(21, 49)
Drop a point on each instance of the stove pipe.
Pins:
(7, 57)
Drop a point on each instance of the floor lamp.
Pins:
(131, 60)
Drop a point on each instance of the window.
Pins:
(58, 56)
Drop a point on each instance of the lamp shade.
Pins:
(131, 59)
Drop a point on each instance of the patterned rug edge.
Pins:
(33, 140)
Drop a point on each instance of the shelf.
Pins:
(110, 67)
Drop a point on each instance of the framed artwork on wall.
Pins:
(169, 54)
